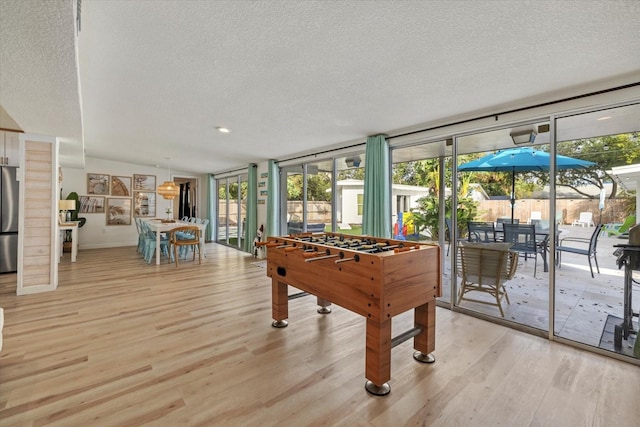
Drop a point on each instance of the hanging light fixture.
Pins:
(168, 189)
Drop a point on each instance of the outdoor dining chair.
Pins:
(481, 231)
(524, 241)
(484, 267)
(589, 248)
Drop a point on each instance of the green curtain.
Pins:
(376, 218)
(252, 208)
(273, 198)
(211, 208)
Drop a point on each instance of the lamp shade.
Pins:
(168, 190)
(66, 205)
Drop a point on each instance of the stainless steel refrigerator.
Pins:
(8, 220)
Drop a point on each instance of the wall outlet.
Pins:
(104, 229)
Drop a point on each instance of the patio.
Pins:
(582, 304)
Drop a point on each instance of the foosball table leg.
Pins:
(279, 304)
(378, 357)
(425, 342)
(324, 306)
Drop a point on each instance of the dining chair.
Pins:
(178, 240)
(150, 243)
(484, 267)
(590, 250)
(481, 231)
(524, 241)
(141, 241)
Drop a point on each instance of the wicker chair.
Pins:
(187, 236)
(484, 267)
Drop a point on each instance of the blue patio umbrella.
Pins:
(522, 159)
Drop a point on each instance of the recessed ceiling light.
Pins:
(604, 118)
(222, 129)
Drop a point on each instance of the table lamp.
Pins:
(65, 206)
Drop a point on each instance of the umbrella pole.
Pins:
(513, 192)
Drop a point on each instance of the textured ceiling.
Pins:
(292, 77)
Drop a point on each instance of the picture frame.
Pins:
(144, 204)
(144, 182)
(121, 186)
(98, 184)
(91, 204)
(118, 211)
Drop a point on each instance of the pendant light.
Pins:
(168, 189)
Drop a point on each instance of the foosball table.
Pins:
(376, 278)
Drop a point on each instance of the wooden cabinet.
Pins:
(9, 148)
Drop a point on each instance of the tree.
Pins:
(605, 151)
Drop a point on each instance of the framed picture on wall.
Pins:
(91, 204)
(144, 182)
(118, 211)
(121, 186)
(98, 183)
(144, 204)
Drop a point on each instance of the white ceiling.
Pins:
(291, 77)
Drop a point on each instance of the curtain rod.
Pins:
(234, 170)
(516, 110)
(321, 152)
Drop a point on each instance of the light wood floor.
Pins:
(123, 343)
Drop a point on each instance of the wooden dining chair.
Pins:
(184, 237)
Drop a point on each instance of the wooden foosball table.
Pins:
(376, 278)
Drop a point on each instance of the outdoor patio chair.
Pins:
(524, 241)
(484, 267)
(589, 251)
(620, 230)
(585, 220)
(501, 221)
(535, 215)
(481, 231)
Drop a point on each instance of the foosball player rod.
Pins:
(319, 258)
(268, 244)
(316, 253)
(355, 258)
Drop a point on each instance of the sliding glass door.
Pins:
(232, 206)
(597, 205)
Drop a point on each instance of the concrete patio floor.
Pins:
(582, 303)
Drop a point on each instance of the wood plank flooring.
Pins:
(124, 343)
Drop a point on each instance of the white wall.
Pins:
(350, 205)
(96, 233)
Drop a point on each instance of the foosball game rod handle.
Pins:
(268, 244)
(408, 248)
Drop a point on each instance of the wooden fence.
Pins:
(567, 209)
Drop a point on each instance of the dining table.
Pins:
(542, 241)
(160, 226)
